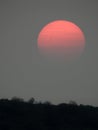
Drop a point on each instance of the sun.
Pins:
(62, 39)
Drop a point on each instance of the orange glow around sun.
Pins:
(61, 39)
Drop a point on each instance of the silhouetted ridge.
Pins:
(17, 114)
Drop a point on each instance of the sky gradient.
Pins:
(25, 73)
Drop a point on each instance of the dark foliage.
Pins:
(21, 115)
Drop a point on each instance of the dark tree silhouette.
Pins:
(17, 99)
(16, 114)
(31, 100)
(72, 102)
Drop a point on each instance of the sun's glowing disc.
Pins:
(62, 39)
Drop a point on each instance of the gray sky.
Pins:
(25, 73)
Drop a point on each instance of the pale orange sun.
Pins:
(61, 39)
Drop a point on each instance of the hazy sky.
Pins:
(25, 73)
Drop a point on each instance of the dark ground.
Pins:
(16, 114)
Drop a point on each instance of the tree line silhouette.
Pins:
(17, 114)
